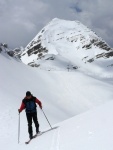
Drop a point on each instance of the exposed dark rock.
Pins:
(5, 45)
(32, 64)
(110, 65)
(40, 50)
(90, 60)
(39, 36)
(51, 58)
(37, 49)
(30, 51)
(42, 31)
(100, 44)
(35, 52)
(110, 54)
(75, 67)
(38, 41)
(11, 53)
(93, 40)
(31, 44)
(40, 55)
(23, 54)
(100, 55)
(46, 51)
(88, 46)
(85, 57)
(83, 46)
(0, 49)
(105, 55)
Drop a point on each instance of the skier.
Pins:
(29, 104)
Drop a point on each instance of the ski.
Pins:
(28, 142)
(40, 133)
(31, 139)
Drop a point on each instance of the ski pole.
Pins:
(47, 119)
(19, 129)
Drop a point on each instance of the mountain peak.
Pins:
(66, 41)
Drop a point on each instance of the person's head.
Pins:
(28, 94)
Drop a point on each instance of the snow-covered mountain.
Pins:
(68, 44)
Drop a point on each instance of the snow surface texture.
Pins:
(69, 44)
(64, 95)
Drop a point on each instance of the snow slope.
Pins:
(92, 130)
(71, 44)
(63, 94)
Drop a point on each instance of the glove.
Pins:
(19, 111)
(40, 106)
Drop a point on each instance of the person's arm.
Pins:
(22, 107)
(39, 103)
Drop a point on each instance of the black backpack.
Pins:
(30, 105)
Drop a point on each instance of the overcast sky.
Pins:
(21, 20)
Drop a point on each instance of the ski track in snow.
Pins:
(55, 145)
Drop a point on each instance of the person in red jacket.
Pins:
(29, 104)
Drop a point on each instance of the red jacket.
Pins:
(22, 107)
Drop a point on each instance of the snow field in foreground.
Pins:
(64, 95)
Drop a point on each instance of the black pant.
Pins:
(33, 116)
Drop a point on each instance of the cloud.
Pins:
(21, 20)
(98, 16)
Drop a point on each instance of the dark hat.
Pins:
(28, 93)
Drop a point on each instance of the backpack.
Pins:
(30, 105)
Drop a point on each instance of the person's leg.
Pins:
(29, 120)
(36, 121)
